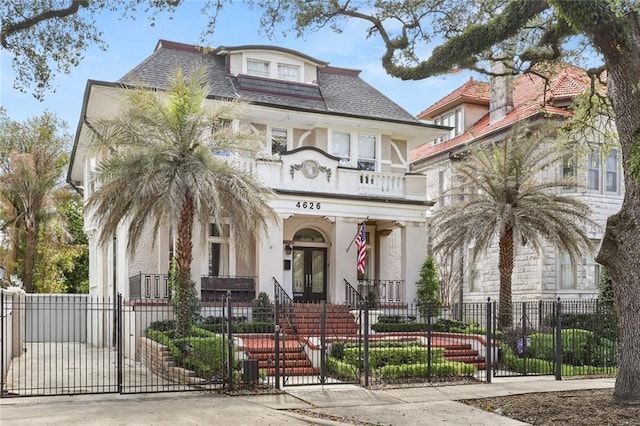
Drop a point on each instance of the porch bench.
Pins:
(241, 288)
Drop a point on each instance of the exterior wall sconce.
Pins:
(288, 249)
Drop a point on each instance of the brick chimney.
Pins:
(501, 95)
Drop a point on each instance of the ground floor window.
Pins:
(219, 250)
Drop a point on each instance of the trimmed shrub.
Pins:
(340, 369)
(262, 308)
(203, 354)
(439, 369)
(381, 356)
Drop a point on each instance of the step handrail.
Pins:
(353, 297)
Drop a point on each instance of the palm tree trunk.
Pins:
(505, 266)
(184, 255)
(31, 234)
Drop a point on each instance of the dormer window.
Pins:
(258, 68)
(288, 72)
(450, 119)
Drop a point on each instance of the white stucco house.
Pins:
(479, 112)
(334, 150)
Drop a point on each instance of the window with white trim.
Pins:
(358, 149)
(258, 68)
(450, 119)
(279, 139)
(218, 242)
(367, 152)
(593, 170)
(567, 275)
(341, 146)
(612, 172)
(288, 72)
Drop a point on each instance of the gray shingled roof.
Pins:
(339, 90)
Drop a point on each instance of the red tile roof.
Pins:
(471, 92)
(529, 99)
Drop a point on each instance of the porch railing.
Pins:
(241, 288)
(387, 291)
(149, 287)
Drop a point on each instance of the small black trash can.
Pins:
(250, 371)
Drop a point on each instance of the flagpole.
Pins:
(356, 236)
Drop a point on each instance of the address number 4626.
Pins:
(309, 205)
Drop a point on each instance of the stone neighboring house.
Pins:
(334, 150)
(479, 112)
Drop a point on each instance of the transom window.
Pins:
(288, 72)
(258, 68)
(308, 235)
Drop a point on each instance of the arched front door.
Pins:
(309, 267)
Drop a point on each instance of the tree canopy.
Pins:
(469, 34)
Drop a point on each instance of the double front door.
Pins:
(309, 274)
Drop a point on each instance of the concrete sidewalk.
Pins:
(346, 404)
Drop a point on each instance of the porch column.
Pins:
(343, 262)
(270, 256)
(413, 244)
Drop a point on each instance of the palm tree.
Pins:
(158, 168)
(502, 194)
(32, 159)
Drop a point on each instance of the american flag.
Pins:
(361, 242)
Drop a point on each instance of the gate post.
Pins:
(524, 336)
(365, 320)
(558, 348)
(277, 339)
(488, 358)
(230, 341)
(323, 340)
(119, 352)
(429, 342)
(3, 340)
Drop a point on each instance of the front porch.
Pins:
(147, 287)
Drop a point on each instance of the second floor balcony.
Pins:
(310, 170)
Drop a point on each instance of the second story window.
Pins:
(341, 146)
(356, 149)
(612, 175)
(258, 68)
(288, 72)
(278, 141)
(593, 170)
(367, 152)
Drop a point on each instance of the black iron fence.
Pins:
(71, 344)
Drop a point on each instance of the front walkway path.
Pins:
(348, 404)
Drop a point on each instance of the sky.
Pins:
(130, 42)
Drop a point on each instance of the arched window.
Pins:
(308, 235)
